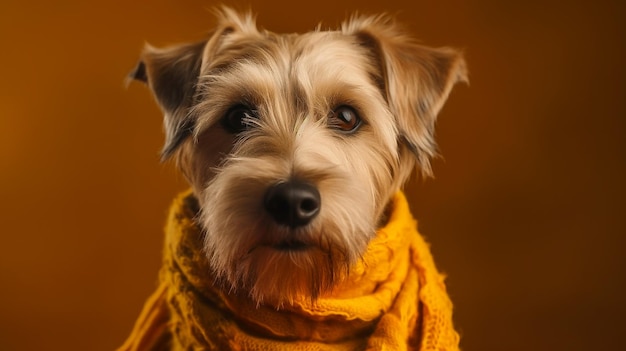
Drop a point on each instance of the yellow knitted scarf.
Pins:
(393, 299)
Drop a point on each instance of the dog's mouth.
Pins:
(286, 246)
(291, 245)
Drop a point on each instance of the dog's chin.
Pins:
(287, 271)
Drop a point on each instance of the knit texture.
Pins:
(393, 299)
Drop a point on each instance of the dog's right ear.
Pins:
(173, 74)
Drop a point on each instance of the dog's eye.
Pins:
(345, 119)
(238, 118)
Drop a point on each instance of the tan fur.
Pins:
(295, 82)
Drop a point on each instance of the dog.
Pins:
(295, 145)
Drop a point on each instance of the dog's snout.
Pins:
(293, 203)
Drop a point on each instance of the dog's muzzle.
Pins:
(293, 203)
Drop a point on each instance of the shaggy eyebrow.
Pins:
(249, 50)
(220, 90)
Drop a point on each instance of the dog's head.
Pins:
(294, 144)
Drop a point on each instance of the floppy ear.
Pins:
(416, 80)
(173, 74)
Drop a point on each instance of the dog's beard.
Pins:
(274, 263)
(279, 276)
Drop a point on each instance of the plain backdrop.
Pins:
(525, 213)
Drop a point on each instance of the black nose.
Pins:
(293, 203)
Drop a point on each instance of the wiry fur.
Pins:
(294, 82)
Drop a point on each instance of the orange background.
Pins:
(526, 214)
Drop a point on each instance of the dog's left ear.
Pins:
(416, 79)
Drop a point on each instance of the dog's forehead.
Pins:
(313, 57)
(330, 55)
(330, 47)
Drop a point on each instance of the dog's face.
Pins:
(294, 144)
